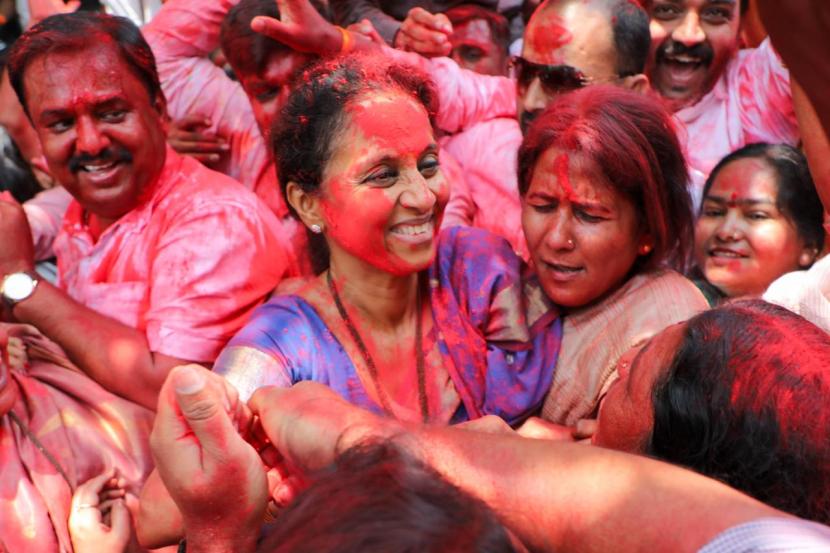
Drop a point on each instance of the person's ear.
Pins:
(307, 206)
(638, 83)
(808, 257)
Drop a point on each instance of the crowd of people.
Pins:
(346, 275)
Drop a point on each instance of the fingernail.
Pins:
(224, 146)
(214, 157)
(189, 381)
(256, 24)
(208, 122)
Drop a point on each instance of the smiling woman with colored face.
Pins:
(761, 218)
(401, 319)
(607, 215)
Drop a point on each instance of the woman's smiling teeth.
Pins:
(414, 230)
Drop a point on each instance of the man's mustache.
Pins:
(701, 51)
(117, 155)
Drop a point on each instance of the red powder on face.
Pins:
(386, 136)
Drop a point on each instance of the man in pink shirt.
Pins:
(160, 259)
(724, 97)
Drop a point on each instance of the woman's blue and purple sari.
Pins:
(499, 363)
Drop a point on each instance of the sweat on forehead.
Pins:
(78, 33)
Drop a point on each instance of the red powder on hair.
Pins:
(548, 36)
(560, 167)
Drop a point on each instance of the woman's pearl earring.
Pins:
(316, 229)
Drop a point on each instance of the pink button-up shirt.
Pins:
(186, 267)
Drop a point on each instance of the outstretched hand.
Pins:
(300, 27)
(216, 479)
(303, 29)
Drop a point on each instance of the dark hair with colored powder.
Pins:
(631, 139)
(79, 31)
(304, 134)
(797, 197)
(499, 28)
(745, 401)
(632, 37)
(378, 498)
(246, 50)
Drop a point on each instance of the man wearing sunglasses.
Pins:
(568, 44)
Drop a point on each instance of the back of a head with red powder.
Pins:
(745, 401)
(631, 139)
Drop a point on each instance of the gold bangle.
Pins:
(347, 43)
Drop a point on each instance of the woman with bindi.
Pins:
(608, 221)
(401, 319)
(761, 217)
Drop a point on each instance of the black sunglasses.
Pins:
(555, 79)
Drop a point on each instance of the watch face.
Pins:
(18, 286)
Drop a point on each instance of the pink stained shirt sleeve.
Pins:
(465, 97)
(214, 265)
(766, 103)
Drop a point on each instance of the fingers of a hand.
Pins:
(6, 196)
(204, 158)
(272, 28)
(192, 121)
(202, 407)
(120, 519)
(437, 22)
(198, 141)
(88, 493)
(108, 495)
(584, 428)
(419, 33)
(543, 430)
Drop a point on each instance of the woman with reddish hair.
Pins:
(608, 220)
